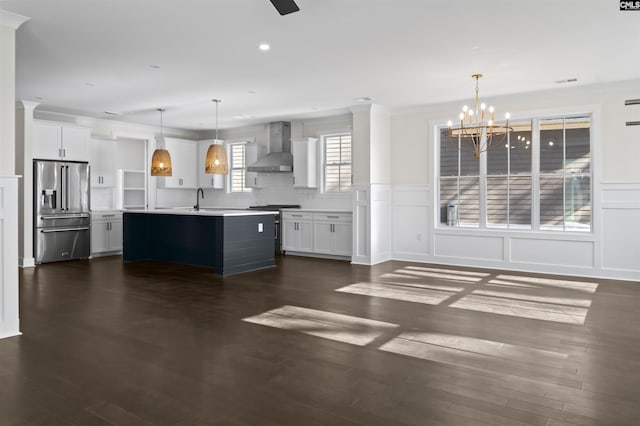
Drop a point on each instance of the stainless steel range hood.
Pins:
(279, 158)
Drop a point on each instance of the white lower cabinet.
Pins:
(332, 233)
(297, 232)
(321, 233)
(106, 232)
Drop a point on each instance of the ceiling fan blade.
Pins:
(285, 6)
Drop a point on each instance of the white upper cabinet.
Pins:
(305, 162)
(102, 158)
(184, 157)
(57, 141)
(205, 180)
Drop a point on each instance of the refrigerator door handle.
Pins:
(62, 198)
(48, 231)
(67, 184)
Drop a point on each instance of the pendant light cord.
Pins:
(217, 101)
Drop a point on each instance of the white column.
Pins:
(24, 167)
(9, 320)
(371, 152)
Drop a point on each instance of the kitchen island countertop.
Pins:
(204, 212)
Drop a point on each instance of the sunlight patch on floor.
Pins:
(568, 301)
(473, 352)
(417, 293)
(440, 274)
(523, 309)
(328, 325)
(582, 286)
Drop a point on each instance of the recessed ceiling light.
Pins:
(364, 99)
(155, 67)
(264, 47)
(253, 92)
(90, 84)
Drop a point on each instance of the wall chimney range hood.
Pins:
(279, 158)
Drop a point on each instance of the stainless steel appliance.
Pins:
(61, 215)
(278, 220)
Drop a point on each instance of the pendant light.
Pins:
(161, 160)
(216, 162)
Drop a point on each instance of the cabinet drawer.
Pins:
(332, 217)
(297, 215)
(116, 215)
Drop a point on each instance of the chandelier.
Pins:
(477, 124)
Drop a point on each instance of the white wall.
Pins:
(606, 252)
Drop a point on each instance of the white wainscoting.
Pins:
(371, 224)
(544, 251)
(9, 321)
(620, 245)
(611, 251)
(411, 218)
(361, 225)
(480, 248)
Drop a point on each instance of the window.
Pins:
(337, 162)
(565, 174)
(503, 189)
(238, 167)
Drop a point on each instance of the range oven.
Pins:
(278, 220)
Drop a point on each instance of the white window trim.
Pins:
(228, 186)
(321, 156)
(594, 111)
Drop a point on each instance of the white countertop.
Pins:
(318, 210)
(203, 212)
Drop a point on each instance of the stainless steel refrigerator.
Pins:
(62, 218)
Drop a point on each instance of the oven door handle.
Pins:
(48, 231)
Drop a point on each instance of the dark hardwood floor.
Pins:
(319, 342)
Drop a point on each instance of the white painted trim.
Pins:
(12, 20)
(27, 262)
(9, 300)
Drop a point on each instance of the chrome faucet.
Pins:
(199, 191)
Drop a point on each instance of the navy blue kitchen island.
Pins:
(229, 241)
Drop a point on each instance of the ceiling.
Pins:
(133, 56)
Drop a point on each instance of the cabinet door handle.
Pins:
(64, 152)
(294, 180)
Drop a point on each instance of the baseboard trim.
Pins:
(27, 262)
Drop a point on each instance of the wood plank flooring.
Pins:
(319, 342)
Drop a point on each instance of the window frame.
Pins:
(591, 112)
(229, 178)
(323, 164)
